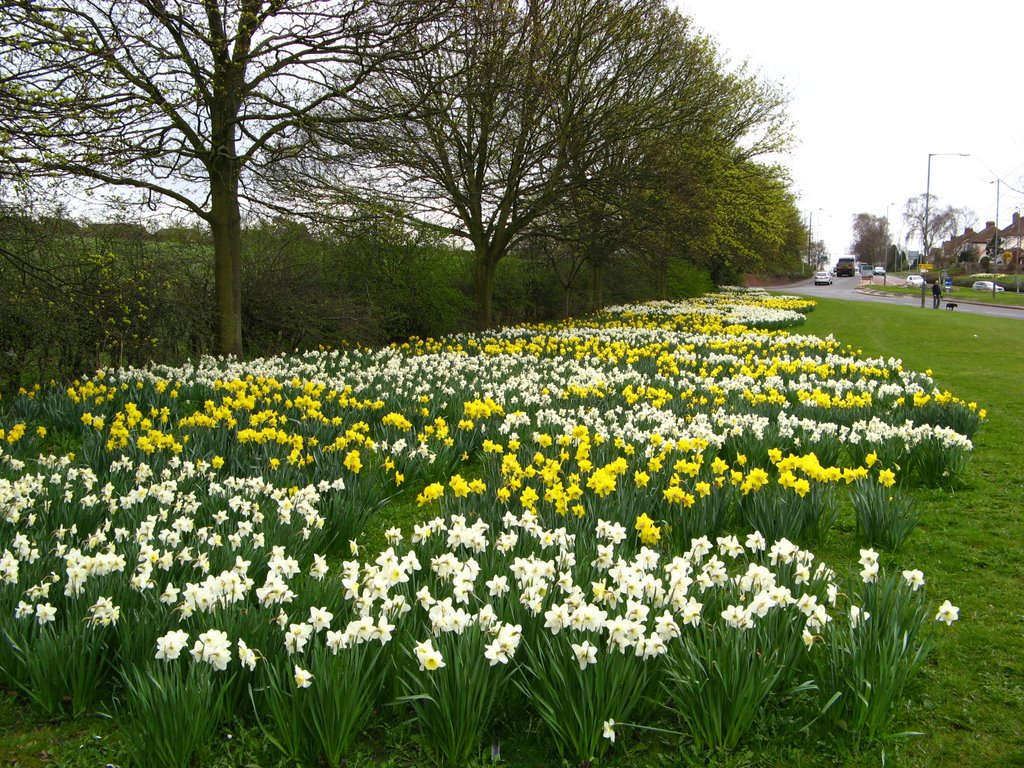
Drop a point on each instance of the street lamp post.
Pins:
(817, 228)
(810, 230)
(812, 261)
(927, 204)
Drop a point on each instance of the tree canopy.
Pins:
(601, 126)
(583, 121)
(185, 101)
(870, 238)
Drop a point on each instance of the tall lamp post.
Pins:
(811, 261)
(810, 231)
(927, 203)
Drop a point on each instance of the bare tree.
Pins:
(519, 112)
(690, 188)
(183, 101)
(870, 238)
(942, 223)
(818, 256)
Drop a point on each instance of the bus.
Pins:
(846, 266)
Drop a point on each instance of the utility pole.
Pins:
(995, 243)
(810, 229)
(1016, 263)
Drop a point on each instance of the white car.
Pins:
(879, 270)
(914, 281)
(986, 285)
(823, 278)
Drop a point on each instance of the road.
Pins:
(854, 289)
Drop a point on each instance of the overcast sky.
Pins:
(875, 88)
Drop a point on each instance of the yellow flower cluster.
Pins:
(14, 434)
(649, 533)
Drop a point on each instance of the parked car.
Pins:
(879, 270)
(823, 278)
(986, 285)
(914, 281)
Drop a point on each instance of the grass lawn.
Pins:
(970, 543)
(967, 705)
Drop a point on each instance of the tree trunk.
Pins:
(661, 272)
(486, 269)
(596, 285)
(226, 228)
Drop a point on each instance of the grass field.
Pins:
(968, 705)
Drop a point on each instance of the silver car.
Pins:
(987, 285)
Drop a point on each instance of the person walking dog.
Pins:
(936, 294)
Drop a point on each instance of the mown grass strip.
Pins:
(970, 702)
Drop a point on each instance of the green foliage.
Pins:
(866, 661)
(62, 668)
(525, 290)
(721, 677)
(687, 280)
(885, 516)
(786, 513)
(936, 464)
(706, 517)
(454, 704)
(376, 282)
(576, 699)
(73, 301)
(321, 721)
(171, 711)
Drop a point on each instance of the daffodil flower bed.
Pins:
(633, 529)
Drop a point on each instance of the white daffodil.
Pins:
(948, 613)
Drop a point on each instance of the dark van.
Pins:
(846, 267)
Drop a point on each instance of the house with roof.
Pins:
(969, 247)
(1011, 237)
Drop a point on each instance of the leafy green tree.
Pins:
(994, 246)
(185, 102)
(759, 222)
